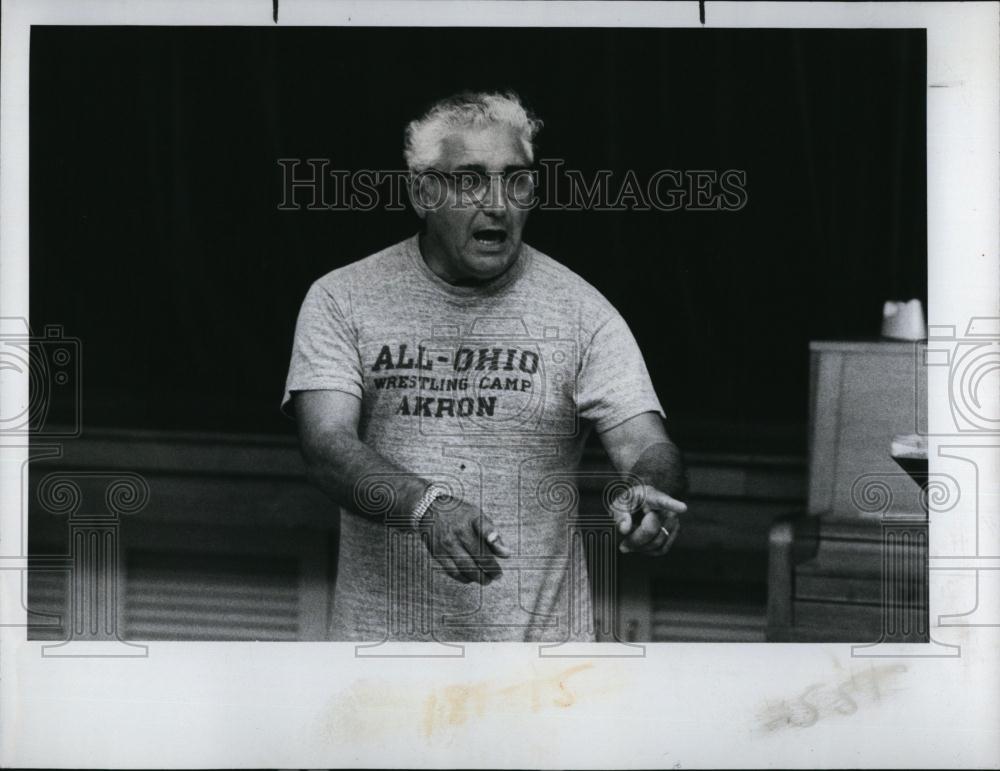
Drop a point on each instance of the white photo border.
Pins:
(501, 705)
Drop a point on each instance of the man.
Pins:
(444, 388)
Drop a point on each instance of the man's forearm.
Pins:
(347, 469)
(662, 466)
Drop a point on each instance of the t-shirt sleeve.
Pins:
(324, 352)
(614, 384)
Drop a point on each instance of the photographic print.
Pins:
(498, 368)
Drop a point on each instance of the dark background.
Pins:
(156, 238)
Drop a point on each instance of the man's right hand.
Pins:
(465, 542)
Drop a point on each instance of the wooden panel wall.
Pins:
(235, 543)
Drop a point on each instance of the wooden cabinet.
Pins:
(853, 566)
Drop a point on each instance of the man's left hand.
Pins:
(648, 518)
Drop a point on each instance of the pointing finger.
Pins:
(657, 500)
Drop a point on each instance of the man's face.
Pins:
(472, 238)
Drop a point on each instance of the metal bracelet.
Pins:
(433, 492)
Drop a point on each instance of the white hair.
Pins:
(425, 134)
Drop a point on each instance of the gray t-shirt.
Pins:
(491, 391)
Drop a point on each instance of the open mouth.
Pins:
(490, 236)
